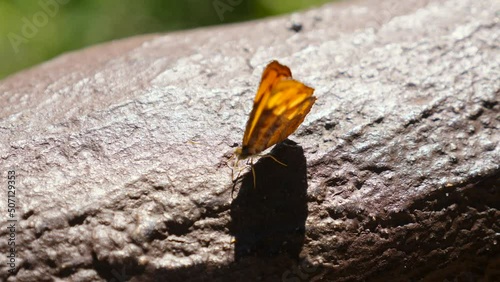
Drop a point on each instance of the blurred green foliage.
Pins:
(34, 31)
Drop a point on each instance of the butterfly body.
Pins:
(280, 106)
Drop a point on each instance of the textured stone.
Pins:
(120, 152)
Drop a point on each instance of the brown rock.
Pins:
(119, 152)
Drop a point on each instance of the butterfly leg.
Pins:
(232, 190)
(250, 164)
(232, 166)
(272, 157)
(239, 172)
(234, 184)
(253, 174)
(235, 180)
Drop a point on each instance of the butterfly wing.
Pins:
(284, 110)
(273, 73)
(293, 102)
(280, 106)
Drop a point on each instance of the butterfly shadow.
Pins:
(268, 219)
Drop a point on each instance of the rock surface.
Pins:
(120, 152)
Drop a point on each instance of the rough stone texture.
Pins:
(120, 152)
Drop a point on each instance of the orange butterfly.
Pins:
(280, 106)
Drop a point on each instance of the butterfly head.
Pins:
(242, 153)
